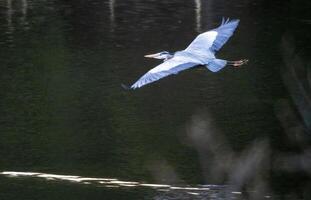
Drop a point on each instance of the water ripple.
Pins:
(165, 191)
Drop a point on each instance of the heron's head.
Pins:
(162, 55)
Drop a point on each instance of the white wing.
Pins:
(171, 66)
(213, 40)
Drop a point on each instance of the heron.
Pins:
(201, 52)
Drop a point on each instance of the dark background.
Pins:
(62, 109)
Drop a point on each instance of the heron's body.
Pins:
(200, 52)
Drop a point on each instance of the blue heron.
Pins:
(200, 52)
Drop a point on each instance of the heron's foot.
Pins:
(238, 63)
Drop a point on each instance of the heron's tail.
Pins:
(216, 64)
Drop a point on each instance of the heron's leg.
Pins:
(237, 63)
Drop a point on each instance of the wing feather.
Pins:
(169, 67)
(225, 31)
(213, 40)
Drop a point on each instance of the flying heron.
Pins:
(200, 52)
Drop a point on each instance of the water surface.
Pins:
(63, 112)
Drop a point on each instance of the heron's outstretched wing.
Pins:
(171, 66)
(214, 39)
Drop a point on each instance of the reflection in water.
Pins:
(101, 181)
(198, 11)
(9, 16)
(214, 154)
(62, 107)
(112, 16)
(162, 171)
(164, 190)
(24, 11)
(10, 12)
(246, 170)
(296, 78)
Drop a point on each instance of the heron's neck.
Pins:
(169, 56)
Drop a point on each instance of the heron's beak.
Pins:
(152, 55)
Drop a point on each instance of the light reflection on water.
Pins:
(16, 16)
(216, 192)
(198, 4)
(112, 14)
(75, 113)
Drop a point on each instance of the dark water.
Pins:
(237, 134)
